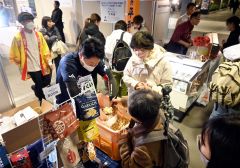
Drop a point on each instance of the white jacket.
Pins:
(111, 43)
(154, 70)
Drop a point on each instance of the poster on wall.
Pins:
(133, 9)
(112, 10)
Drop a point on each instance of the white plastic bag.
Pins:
(232, 52)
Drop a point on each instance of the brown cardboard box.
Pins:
(26, 133)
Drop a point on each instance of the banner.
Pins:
(112, 10)
(132, 9)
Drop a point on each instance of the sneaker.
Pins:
(33, 87)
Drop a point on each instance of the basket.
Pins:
(108, 140)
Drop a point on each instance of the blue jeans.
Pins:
(221, 110)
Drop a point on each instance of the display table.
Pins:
(189, 75)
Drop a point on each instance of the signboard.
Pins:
(51, 91)
(66, 3)
(112, 10)
(133, 9)
(205, 5)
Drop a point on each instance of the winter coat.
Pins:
(91, 30)
(154, 70)
(53, 35)
(141, 156)
(57, 18)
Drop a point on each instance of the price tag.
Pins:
(52, 91)
(49, 149)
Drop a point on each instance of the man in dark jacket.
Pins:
(76, 65)
(57, 19)
(235, 5)
(234, 28)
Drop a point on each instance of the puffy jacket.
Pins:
(53, 35)
(154, 70)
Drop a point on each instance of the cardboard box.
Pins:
(28, 132)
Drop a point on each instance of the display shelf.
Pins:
(189, 75)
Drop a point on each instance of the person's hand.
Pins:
(46, 37)
(187, 45)
(142, 85)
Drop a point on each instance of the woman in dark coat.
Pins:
(51, 34)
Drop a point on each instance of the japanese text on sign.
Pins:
(112, 11)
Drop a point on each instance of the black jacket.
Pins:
(57, 18)
(53, 35)
(91, 30)
(233, 38)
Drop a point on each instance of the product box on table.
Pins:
(28, 132)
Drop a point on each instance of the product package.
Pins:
(68, 151)
(87, 107)
(88, 130)
(21, 159)
(34, 151)
(4, 162)
(60, 123)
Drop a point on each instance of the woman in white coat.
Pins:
(147, 68)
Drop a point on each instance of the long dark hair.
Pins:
(233, 20)
(93, 19)
(223, 136)
(45, 19)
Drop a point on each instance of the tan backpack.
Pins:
(225, 84)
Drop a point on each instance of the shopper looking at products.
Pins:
(30, 52)
(219, 142)
(181, 38)
(147, 68)
(233, 26)
(143, 106)
(76, 65)
(51, 34)
(111, 41)
(57, 19)
(137, 24)
(191, 8)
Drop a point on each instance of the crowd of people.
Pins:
(146, 72)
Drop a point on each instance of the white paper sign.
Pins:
(112, 10)
(49, 149)
(52, 91)
(66, 3)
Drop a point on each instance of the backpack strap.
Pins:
(121, 38)
(152, 136)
